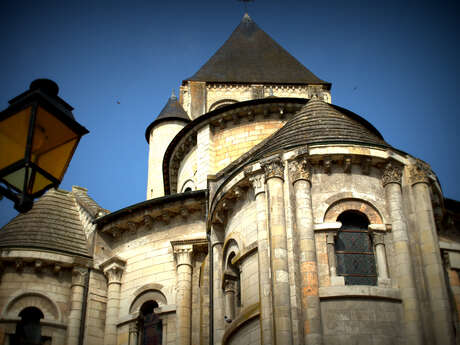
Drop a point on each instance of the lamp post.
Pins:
(38, 136)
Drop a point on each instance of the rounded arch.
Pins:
(337, 208)
(37, 300)
(188, 186)
(146, 296)
(230, 246)
(221, 103)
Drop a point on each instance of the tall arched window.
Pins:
(354, 250)
(150, 325)
(28, 330)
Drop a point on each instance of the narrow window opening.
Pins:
(150, 325)
(354, 250)
(28, 329)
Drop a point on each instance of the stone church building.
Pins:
(272, 217)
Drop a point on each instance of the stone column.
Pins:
(431, 254)
(218, 300)
(300, 175)
(230, 291)
(184, 294)
(76, 304)
(274, 175)
(263, 252)
(391, 181)
(113, 270)
(380, 257)
(133, 332)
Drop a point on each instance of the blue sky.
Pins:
(395, 63)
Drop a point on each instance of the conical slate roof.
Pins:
(171, 111)
(319, 122)
(53, 223)
(251, 56)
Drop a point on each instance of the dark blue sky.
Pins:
(395, 63)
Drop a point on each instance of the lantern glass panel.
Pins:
(53, 144)
(16, 178)
(13, 137)
(38, 182)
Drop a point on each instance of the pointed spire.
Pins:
(171, 111)
(251, 56)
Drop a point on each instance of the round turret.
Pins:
(159, 134)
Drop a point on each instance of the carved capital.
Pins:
(330, 237)
(257, 183)
(418, 173)
(79, 275)
(391, 174)
(113, 269)
(377, 238)
(229, 285)
(300, 169)
(183, 254)
(273, 168)
(114, 274)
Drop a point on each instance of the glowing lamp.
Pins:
(38, 136)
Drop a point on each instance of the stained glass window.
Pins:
(354, 250)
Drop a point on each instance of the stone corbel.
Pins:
(113, 269)
(366, 165)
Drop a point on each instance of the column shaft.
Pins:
(184, 296)
(76, 305)
(279, 262)
(403, 264)
(111, 318)
(308, 264)
(432, 265)
(218, 307)
(265, 286)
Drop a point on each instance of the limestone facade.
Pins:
(272, 217)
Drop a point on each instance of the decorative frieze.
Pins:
(419, 173)
(300, 169)
(391, 174)
(273, 168)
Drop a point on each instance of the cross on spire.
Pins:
(246, 4)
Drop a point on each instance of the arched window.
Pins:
(354, 250)
(28, 330)
(150, 325)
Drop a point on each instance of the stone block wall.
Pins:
(361, 321)
(248, 334)
(96, 308)
(233, 141)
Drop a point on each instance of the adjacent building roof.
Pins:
(251, 56)
(171, 111)
(54, 223)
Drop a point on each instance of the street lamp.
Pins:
(38, 136)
